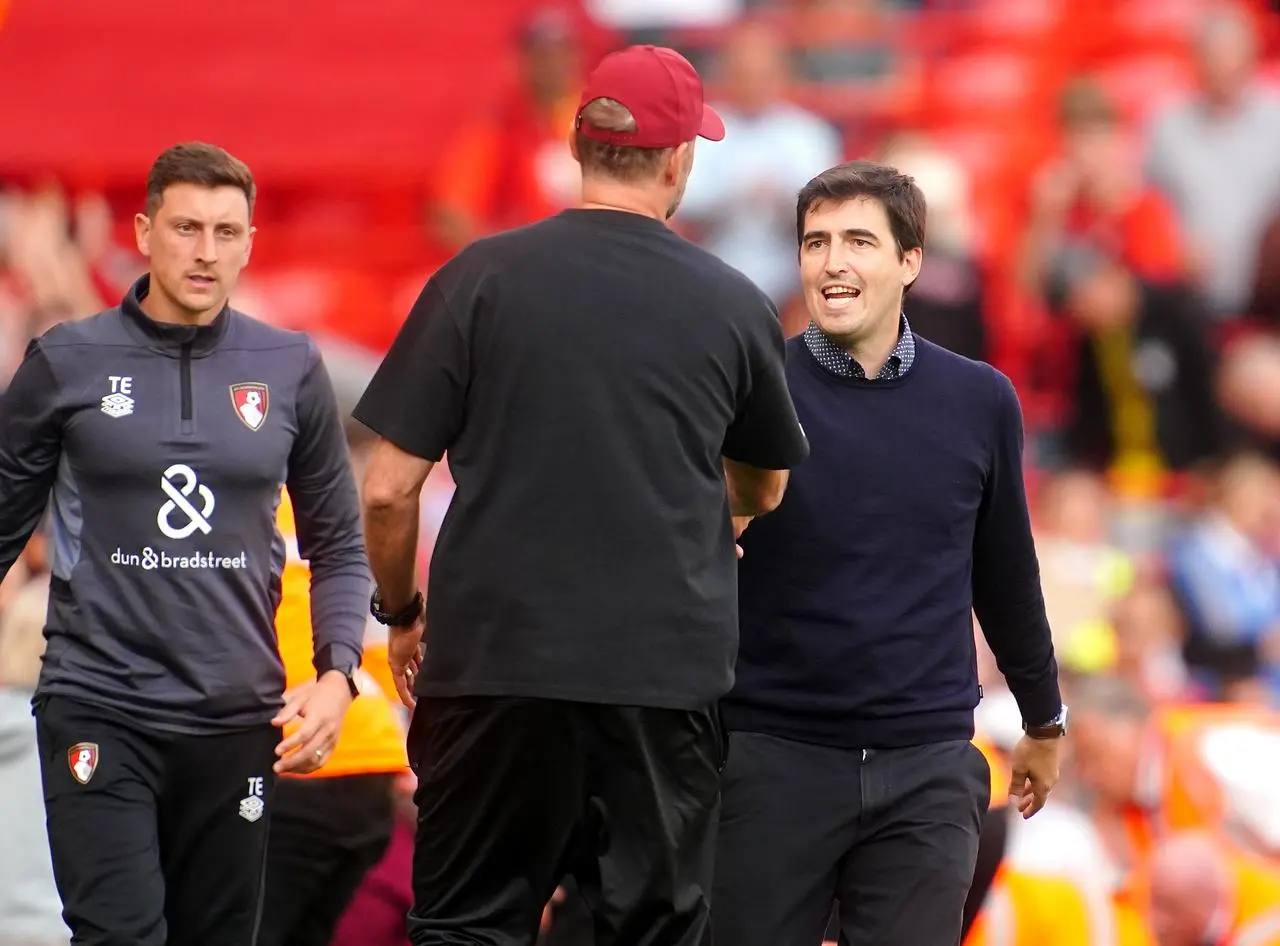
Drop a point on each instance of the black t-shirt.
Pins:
(585, 375)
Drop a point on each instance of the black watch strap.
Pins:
(350, 674)
(1054, 729)
(402, 618)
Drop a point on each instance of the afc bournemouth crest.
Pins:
(83, 760)
(250, 400)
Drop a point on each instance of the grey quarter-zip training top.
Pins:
(160, 452)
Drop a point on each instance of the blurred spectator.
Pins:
(46, 274)
(946, 303)
(1226, 576)
(1094, 192)
(43, 251)
(1136, 770)
(1144, 400)
(1217, 158)
(30, 908)
(512, 166)
(1149, 634)
(1081, 572)
(1249, 390)
(740, 202)
(1202, 891)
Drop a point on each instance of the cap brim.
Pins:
(712, 125)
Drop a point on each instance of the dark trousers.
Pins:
(513, 794)
(891, 836)
(326, 833)
(155, 838)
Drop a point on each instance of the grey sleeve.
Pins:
(327, 511)
(766, 432)
(30, 448)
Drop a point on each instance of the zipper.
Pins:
(185, 370)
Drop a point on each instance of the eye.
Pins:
(860, 243)
(815, 244)
(185, 228)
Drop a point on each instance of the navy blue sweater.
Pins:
(855, 595)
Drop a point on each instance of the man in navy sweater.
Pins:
(851, 777)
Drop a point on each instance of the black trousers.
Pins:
(891, 836)
(155, 838)
(326, 833)
(513, 794)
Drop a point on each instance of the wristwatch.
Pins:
(403, 618)
(1053, 729)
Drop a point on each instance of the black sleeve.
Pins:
(417, 398)
(1007, 597)
(766, 433)
(327, 512)
(30, 448)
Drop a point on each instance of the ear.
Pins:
(248, 248)
(142, 234)
(573, 148)
(911, 262)
(673, 169)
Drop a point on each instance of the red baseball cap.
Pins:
(662, 91)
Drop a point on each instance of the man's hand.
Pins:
(1035, 773)
(321, 706)
(404, 657)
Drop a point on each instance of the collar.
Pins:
(171, 338)
(835, 359)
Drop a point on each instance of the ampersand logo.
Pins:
(178, 495)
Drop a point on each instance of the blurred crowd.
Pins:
(1103, 183)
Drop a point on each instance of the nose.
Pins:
(837, 260)
(207, 247)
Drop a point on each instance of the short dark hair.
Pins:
(195, 162)
(903, 200)
(617, 161)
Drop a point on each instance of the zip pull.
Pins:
(184, 368)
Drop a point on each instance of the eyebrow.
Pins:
(855, 234)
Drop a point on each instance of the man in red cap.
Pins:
(609, 396)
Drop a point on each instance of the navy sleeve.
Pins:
(417, 398)
(1007, 597)
(327, 511)
(30, 449)
(766, 433)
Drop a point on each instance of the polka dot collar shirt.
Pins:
(840, 363)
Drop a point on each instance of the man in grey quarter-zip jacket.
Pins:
(159, 434)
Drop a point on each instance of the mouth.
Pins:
(840, 297)
(201, 281)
